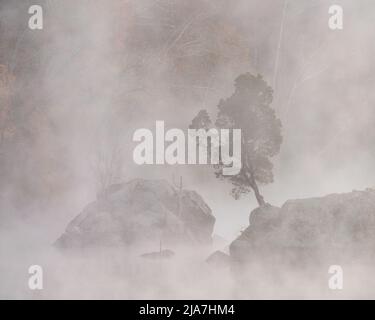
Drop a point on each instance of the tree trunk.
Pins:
(258, 196)
(249, 173)
(254, 186)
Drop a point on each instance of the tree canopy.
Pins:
(248, 109)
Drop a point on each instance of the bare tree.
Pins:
(107, 167)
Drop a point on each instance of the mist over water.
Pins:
(73, 94)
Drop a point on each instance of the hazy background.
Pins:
(73, 94)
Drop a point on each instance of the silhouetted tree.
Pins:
(248, 109)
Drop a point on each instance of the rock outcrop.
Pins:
(141, 211)
(336, 225)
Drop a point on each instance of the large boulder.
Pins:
(141, 211)
(335, 226)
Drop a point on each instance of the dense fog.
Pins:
(73, 93)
